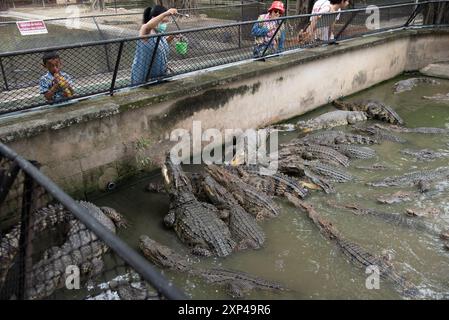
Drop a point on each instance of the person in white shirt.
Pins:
(321, 27)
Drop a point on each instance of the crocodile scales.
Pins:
(195, 223)
(242, 225)
(237, 283)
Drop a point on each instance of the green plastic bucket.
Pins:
(181, 47)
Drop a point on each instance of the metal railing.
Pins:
(103, 67)
(50, 243)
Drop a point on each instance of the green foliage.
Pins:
(141, 145)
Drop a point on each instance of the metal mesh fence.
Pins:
(105, 66)
(52, 247)
(69, 31)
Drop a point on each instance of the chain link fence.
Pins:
(52, 247)
(105, 66)
(77, 30)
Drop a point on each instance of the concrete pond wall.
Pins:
(88, 144)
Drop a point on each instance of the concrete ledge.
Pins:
(85, 145)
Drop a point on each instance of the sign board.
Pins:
(31, 27)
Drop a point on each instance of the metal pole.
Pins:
(272, 38)
(153, 57)
(26, 236)
(337, 36)
(7, 181)
(105, 46)
(5, 81)
(415, 12)
(117, 64)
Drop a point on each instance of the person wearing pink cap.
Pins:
(264, 30)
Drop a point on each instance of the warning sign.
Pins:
(31, 27)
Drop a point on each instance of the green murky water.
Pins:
(295, 253)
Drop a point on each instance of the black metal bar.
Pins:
(5, 81)
(415, 12)
(105, 46)
(272, 38)
(149, 273)
(8, 179)
(26, 236)
(346, 25)
(117, 64)
(152, 58)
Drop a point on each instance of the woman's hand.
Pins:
(171, 11)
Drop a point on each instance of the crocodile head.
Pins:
(174, 176)
(116, 217)
(161, 255)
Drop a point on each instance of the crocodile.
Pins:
(331, 119)
(357, 255)
(354, 151)
(397, 197)
(297, 168)
(423, 130)
(379, 134)
(438, 97)
(43, 219)
(242, 225)
(195, 223)
(276, 184)
(393, 218)
(374, 110)
(425, 154)
(413, 178)
(82, 248)
(237, 283)
(409, 84)
(315, 152)
(330, 173)
(373, 167)
(423, 212)
(248, 197)
(331, 137)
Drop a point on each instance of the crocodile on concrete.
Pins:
(237, 283)
(358, 255)
(409, 84)
(374, 110)
(195, 223)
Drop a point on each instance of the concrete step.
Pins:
(438, 70)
